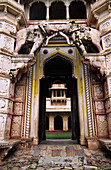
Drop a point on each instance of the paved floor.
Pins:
(51, 155)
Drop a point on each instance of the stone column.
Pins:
(67, 11)
(6, 86)
(65, 122)
(51, 122)
(47, 14)
(7, 37)
(88, 100)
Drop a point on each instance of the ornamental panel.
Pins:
(98, 91)
(19, 93)
(18, 108)
(99, 107)
(102, 126)
(16, 126)
(106, 41)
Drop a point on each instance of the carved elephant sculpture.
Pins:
(47, 31)
(86, 33)
(31, 33)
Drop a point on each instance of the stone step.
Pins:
(73, 161)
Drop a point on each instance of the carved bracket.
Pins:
(21, 64)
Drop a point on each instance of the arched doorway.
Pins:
(58, 123)
(38, 11)
(58, 69)
(77, 10)
(57, 10)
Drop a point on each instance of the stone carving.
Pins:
(5, 68)
(86, 33)
(45, 31)
(98, 91)
(33, 34)
(99, 107)
(16, 126)
(102, 126)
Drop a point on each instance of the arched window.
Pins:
(38, 11)
(57, 10)
(77, 10)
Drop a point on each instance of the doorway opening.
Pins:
(58, 100)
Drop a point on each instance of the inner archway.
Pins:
(58, 73)
(58, 123)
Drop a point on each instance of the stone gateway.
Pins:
(55, 70)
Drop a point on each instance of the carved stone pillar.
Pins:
(65, 122)
(28, 104)
(88, 100)
(51, 123)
